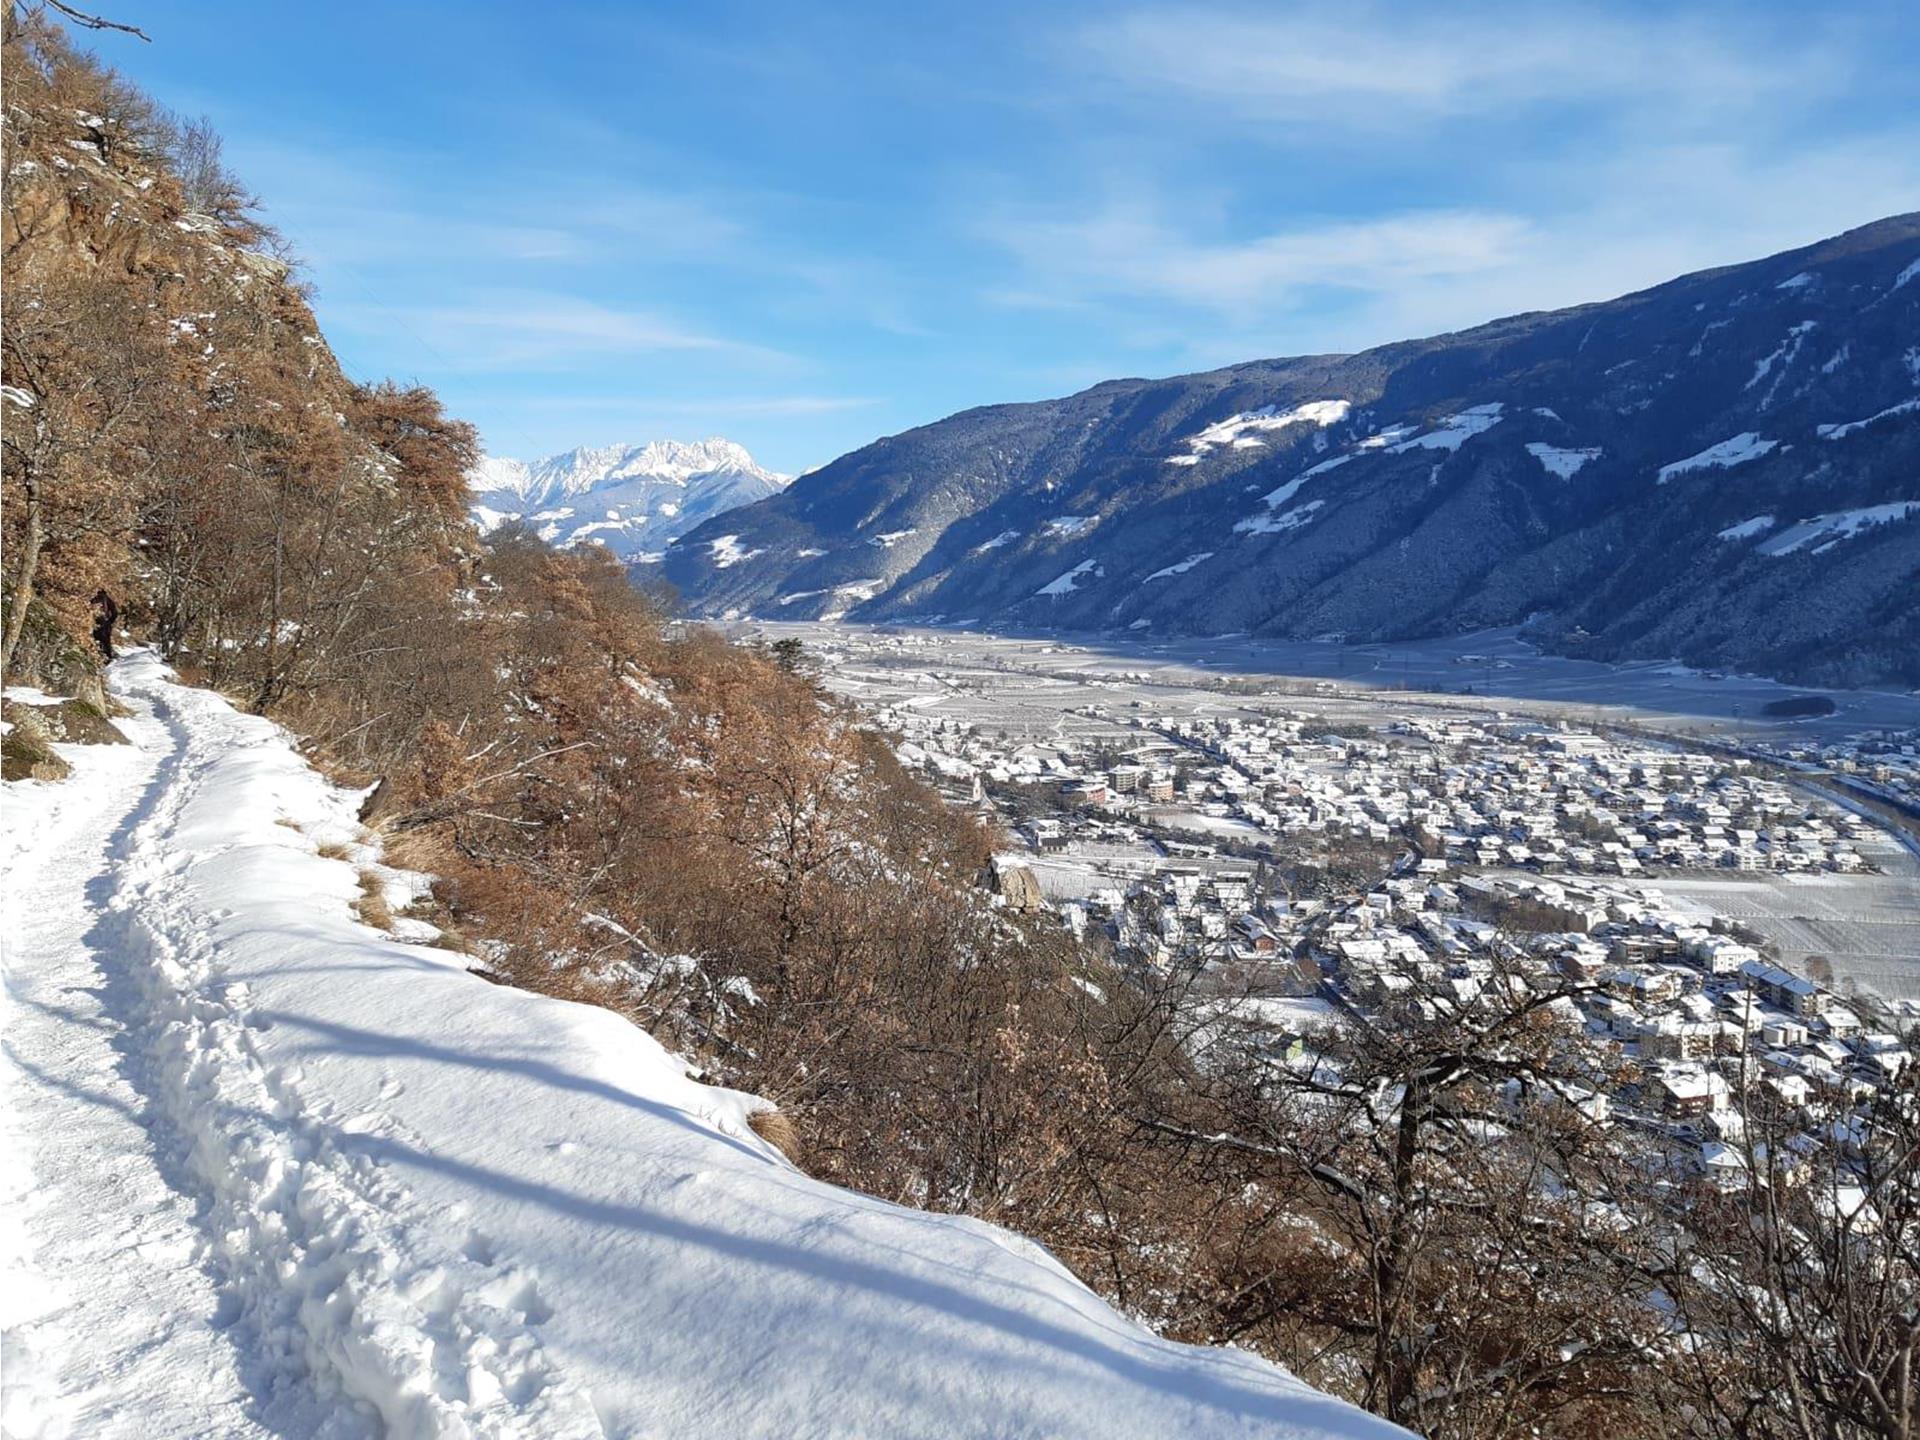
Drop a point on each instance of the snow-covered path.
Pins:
(297, 1177)
(112, 1326)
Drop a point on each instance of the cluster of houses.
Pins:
(1527, 852)
(1884, 764)
(1709, 1023)
(1463, 793)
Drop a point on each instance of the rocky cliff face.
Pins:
(1725, 468)
(633, 499)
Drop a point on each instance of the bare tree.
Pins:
(1803, 1282)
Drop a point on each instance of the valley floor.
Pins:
(271, 1171)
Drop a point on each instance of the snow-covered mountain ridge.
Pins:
(1596, 474)
(633, 499)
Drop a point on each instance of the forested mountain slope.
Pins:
(1722, 468)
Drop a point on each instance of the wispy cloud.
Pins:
(506, 330)
(351, 207)
(1363, 65)
(1130, 250)
(1645, 214)
(755, 407)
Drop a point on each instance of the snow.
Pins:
(1243, 431)
(97, 1250)
(1066, 584)
(1737, 450)
(1289, 1014)
(1795, 282)
(887, 539)
(1274, 499)
(1005, 537)
(1270, 524)
(853, 593)
(1062, 526)
(644, 495)
(1905, 275)
(728, 552)
(296, 1177)
(1841, 431)
(1783, 355)
(1453, 431)
(1386, 437)
(592, 468)
(1181, 567)
(1837, 526)
(1563, 463)
(1747, 529)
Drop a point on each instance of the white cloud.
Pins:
(506, 329)
(1578, 230)
(1365, 66)
(755, 407)
(1130, 250)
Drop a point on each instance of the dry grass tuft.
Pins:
(372, 907)
(776, 1127)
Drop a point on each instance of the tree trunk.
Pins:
(21, 595)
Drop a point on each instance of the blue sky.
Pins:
(807, 225)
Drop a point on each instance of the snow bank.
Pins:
(1737, 450)
(1823, 532)
(1181, 567)
(1747, 529)
(1564, 464)
(1841, 431)
(1270, 524)
(455, 1209)
(1066, 584)
(1244, 431)
(1275, 498)
(728, 551)
(1453, 431)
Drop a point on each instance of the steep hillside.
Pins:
(1722, 468)
(180, 443)
(595, 805)
(432, 1207)
(633, 499)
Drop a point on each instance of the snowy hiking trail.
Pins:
(112, 1332)
(292, 1176)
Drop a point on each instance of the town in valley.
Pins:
(1728, 895)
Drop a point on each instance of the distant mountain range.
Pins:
(633, 499)
(1725, 469)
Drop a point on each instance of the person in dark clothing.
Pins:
(105, 612)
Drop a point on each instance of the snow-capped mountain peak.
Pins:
(633, 499)
(588, 467)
